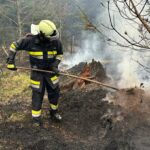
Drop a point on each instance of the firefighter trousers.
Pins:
(37, 98)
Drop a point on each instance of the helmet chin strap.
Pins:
(42, 37)
(54, 33)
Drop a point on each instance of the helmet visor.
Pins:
(35, 29)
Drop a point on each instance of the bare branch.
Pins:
(4, 49)
(143, 6)
(9, 18)
(147, 69)
(135, 44)
(140, 18)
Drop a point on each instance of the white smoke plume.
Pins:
(90, 48)
(122, 63)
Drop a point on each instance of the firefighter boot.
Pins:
(55, 116)
(36, 122)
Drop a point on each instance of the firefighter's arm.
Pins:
(59, 57)
(21, 44)
(11, 57)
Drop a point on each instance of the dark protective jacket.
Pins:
(42, 55)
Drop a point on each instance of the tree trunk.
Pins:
(19, 18)
(19, 26)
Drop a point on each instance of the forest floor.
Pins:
(91, 121)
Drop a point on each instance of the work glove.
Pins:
(54, 67)
(11, 61)
(11, 65)
(55, 70)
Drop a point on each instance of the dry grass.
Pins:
(14, 85)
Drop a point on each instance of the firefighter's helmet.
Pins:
(47, 27)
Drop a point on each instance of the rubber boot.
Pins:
(36, 122)
(55, 116)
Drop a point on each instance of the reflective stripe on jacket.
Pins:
(42, 53)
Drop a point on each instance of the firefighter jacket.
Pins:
(42, 55)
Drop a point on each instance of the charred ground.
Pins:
(90, 122)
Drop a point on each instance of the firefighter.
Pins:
(45, 52)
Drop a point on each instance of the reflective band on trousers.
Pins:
(36, 113)
(35, 84)
(10, 66)
(54, 107)
(55, 79)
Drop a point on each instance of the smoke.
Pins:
(121, 63)
(127, 70)
(91, 47)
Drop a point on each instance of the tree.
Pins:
(137, 14)
(12, 21)
(134, 13)
(18, 15)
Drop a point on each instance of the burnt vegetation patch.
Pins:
(90, 119)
